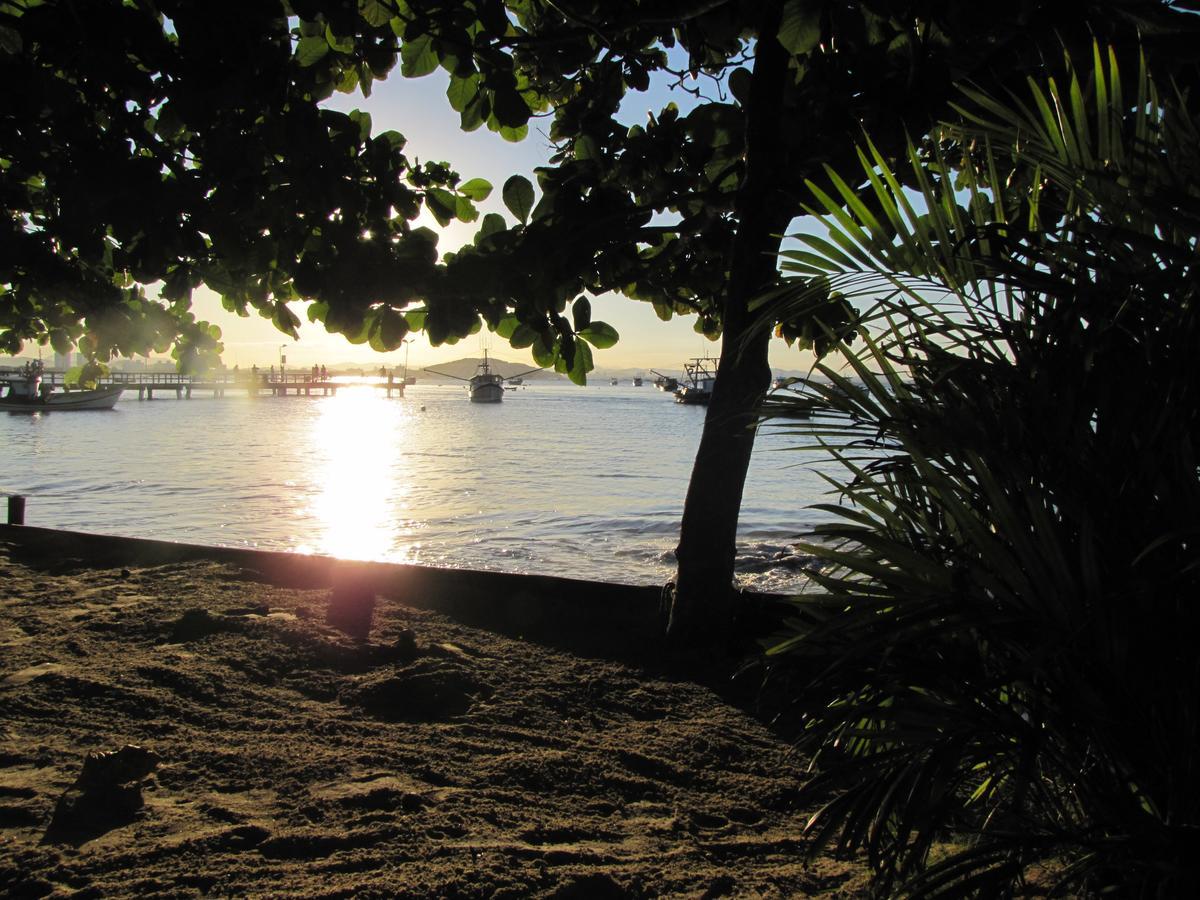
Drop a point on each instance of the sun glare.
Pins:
(356, 442)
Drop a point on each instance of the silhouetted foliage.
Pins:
(999, 654)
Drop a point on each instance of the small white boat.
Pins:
(26, 392)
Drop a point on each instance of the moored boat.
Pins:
(665, 382)
(485, 386)
(27, 392)
(701, 375)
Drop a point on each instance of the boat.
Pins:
(665, 382)
(701, 375)
(485, 386)
(517, 382)
(25, 391)
(637, 380)
(613, 382)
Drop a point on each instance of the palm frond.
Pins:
(996, 645)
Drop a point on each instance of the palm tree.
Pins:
(995, 670)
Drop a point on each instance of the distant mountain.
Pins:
(465, 368)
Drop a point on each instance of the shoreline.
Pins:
(439, 758)
(579, 614)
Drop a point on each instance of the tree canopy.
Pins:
(177, 144)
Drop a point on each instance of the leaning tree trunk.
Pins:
(702, 605)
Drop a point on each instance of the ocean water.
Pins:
(578, 482)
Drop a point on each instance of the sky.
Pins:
(418, 109)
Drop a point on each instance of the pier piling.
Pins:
(16, 509)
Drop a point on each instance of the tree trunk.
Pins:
(702, 606)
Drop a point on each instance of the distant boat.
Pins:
(613, 382)
(485, 386)
(25, 392)
(637, 380)
(516, 381)
(665, 382)
(701, 374)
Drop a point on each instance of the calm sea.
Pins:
(580, 482)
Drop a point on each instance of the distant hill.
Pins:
(465, 368)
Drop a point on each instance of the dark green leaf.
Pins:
(317, 311)
(523, 336)
(462, 91)
(581, 313)
(509, 108)
(338, 43)
(507, 326)
(739, 84)
(442, 204)
(514, 135)
(493, 223)
(464, 210)
(417, 57)
(800, 27)
(311, 50)
(392, 329)
(582, 364)
(376, 13)
(476, 189)
(544, 354)
(600, 335)
(518, 196)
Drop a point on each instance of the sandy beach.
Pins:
(240, 746)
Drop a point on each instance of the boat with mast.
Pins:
(701, 374)
(665, 382)
(485, 386)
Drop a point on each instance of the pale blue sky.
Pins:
(418, 109)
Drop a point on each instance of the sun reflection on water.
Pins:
(358, 495)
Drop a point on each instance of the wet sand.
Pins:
(280, 757)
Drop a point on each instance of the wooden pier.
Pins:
(300, 384)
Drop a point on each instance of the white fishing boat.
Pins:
(485, 386)
(25, 391)
(701, 375)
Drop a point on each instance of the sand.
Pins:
(267, 754)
